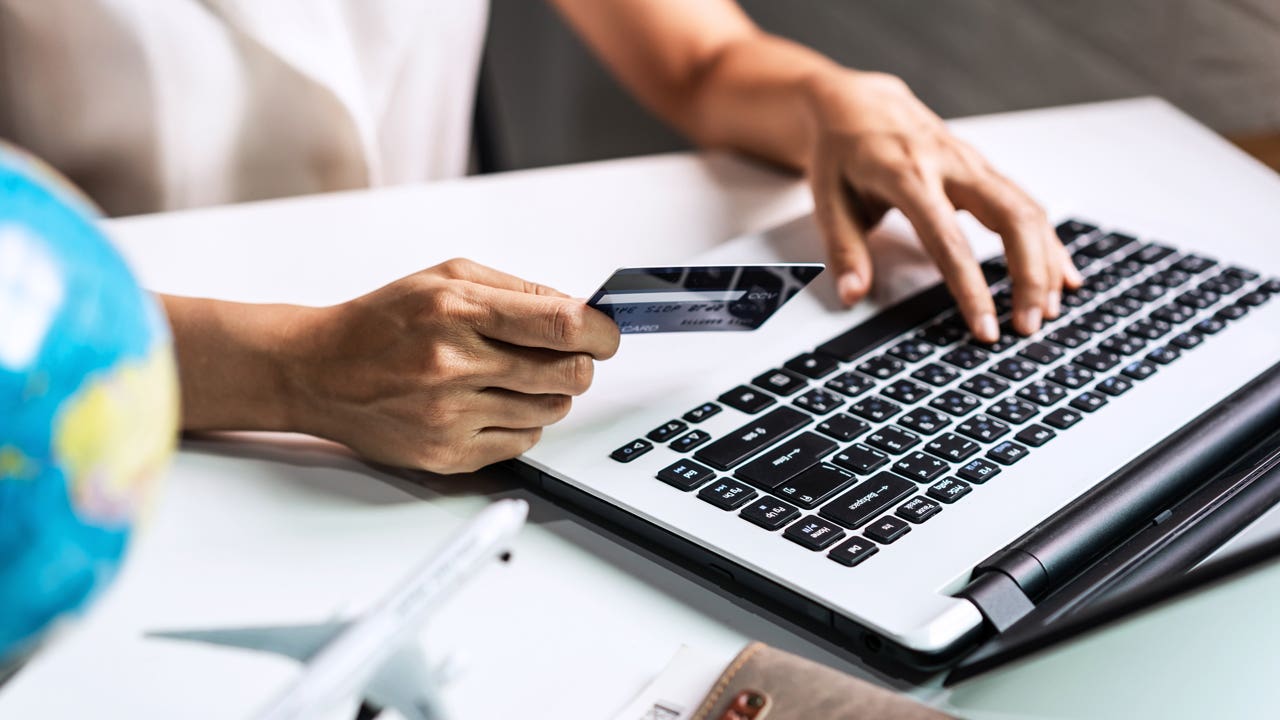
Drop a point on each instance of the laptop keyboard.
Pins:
(880, 429)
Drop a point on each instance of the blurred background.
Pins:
(544, 100)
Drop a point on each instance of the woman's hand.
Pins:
(878, 147)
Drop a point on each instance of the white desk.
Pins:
(278, 530)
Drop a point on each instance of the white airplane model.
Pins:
(374, 655)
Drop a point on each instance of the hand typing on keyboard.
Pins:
(879, 147)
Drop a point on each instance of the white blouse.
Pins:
(163, 104)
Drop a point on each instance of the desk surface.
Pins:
(282, 529)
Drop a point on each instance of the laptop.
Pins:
(911, 494)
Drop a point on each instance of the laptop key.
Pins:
(860, 459)
(955, 403)
(1254, 299)
(875, 409)
(780, 382)
(631, 450)
(905, 391)
(1242, 273)
(1069, 337)
(685, 474)
(983, 428)
(1123, 344)
(888, 324)
(952, 447)
(1088, 401)
(853, 551)
(1035, 435)
(949, 490)
(945, 332)
(860, 503)
(812, 365)
(1115, 386)
(920, 467)
(912, 350)
(666, 431)
(1232, 312)
(1007, 452)
(978, 470)
(984, 386)
(1014, 368)
(814, 533)
(753, 437)
(918, 509)
(815, 485)
(1172, 314)
(850, 383)
(1170, 277)
(1097, 360)
(769, 512)
(1151, 253)
(785, 460)
(1209, 326)
(882, 367)
(1096, 321)
(1139, 370)
(843, 427)
(1187, 340)
(1164, 355)
(1150, 329)
(893, 439)
(966, 357)
(1012, 410)
(1270, 287)
(748, 400)
(1042, 392)
(935, 374)
(1062, 418)
(887, 529)
(1072, 377)
(1194, 264)
(702, 412)
(1107, 245)
(818, 401)
(727, 494)
(1041, 352)
(924, 421)
(689, 440)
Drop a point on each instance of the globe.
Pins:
(88, 404)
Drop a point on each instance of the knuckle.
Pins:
(580, 371)
(455, 268)
(567, 323)
(559, 407)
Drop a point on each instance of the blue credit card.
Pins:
(700, 298)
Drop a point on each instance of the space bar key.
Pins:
(752, 437)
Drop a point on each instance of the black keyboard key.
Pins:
(882, 367)
(1102, 281)
(631, 450)
(1151, 253)
(905, 391)
(1076, 298)
(748, 400)
(815, 485)
(1070, 337)
(1146, 292)
(1008, 338)
(978, 471)
(1198, 299)
(1270, 287)
(935, 374)
(702, 412)
(685, 474)
(1095, 321)
(1254, 299)
(853, 551)
(1120, 307)
(1014, 368)
(983, 428)
(869, 498)
(1070, 230)
(1042, 392)
(893, 439)
(769, 513)
(860, 459)
(1035, 435)
(1012, 410)
(945, 332)
(812, 366)
(875, 409)
(785, 460)
(1173, 313)
(727, 494)
(1126, 268)
(1231, 312)
(920, 467)
(666, 431)
(1170, 277)
(995, 269)
(984, 386)
(1007, 452)
(1209, 326)
(1187, 340)
(1097, 360)
(1242, 273)
(888, 324)
(689, 440)
(1088, 401)
(1149, 329)
(819, 402)
(966, 357)
(1123, 344)
(1139, 370)
(843, 427)
(1108, 244)
(1041, 352)
(753, 437)
(1115, 386)
(912, 350)
(924, 421)
(952, 447)
(813, 533)
(887, 529)
(918, 509)
(1071, 377)
(1164, 355)
(1062, 418)
(1194, 264)
(949, 490)
(956, 403)
(780, 382)
(850, 383)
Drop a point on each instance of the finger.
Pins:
(837, 219)
(498, 407)
(535, 370)
(471, 271)
(934, 219)
(492, 445)
(1000, 206)
(548, 322)
(1071, 276)
(1053, 264)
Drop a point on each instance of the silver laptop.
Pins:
(902, 489)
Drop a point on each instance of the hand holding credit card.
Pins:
(697, 298)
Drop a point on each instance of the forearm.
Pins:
(233, 361)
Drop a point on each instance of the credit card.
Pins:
(700, 298)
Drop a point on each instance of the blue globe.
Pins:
(88, 403)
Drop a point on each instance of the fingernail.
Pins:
(1073, 274)
(988, 328)
(850, 287)
(1055, 304)
(1029, 319)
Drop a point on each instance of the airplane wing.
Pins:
(404, 683)
(299, 642)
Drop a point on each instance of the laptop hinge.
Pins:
(999, 599)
